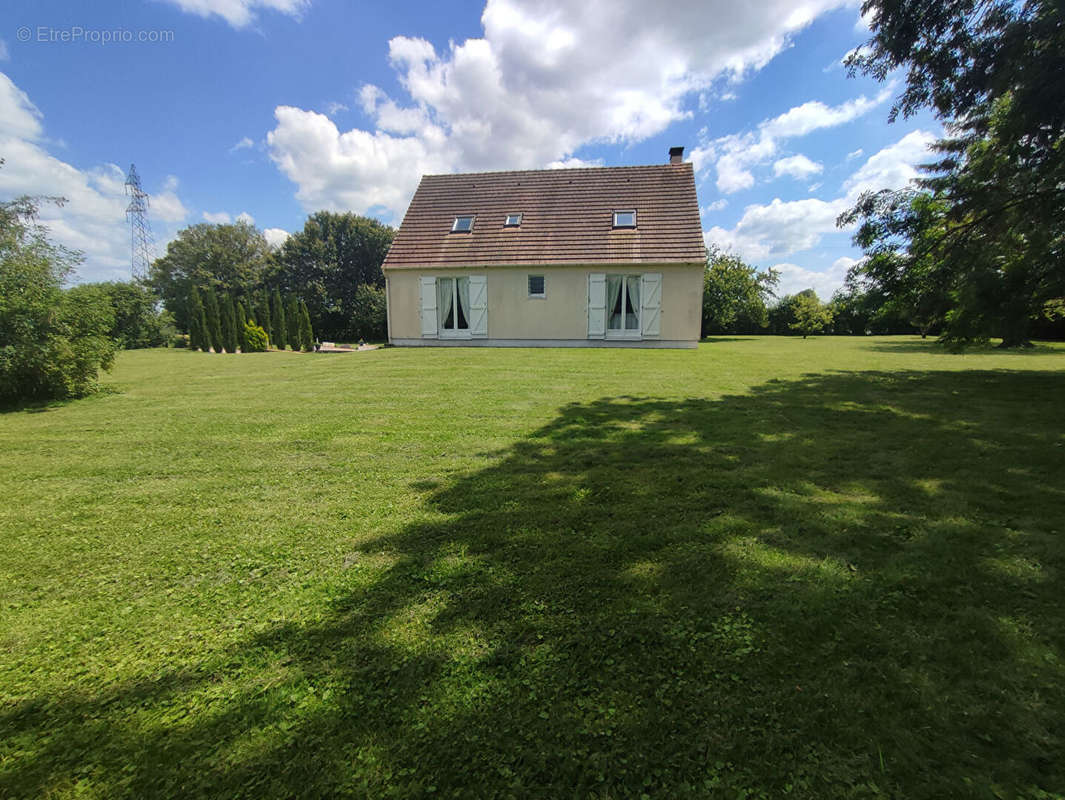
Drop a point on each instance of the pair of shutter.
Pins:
(650, 305)
(478, 307)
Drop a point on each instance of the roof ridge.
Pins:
(552, 170)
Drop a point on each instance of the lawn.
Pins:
(766, 568)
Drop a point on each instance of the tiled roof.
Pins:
(567, 218)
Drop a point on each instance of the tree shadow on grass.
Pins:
(842, 586)
(933, 346)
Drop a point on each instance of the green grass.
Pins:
(767, 568)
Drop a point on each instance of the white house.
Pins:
(607, 256)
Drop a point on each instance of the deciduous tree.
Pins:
(327, 262)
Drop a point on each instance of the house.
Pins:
(607, 256)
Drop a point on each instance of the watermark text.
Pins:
(76, 34)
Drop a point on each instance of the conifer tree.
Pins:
(197, 322)
(213, 320)
(230, 337)
(292, 320)
(277, 323)
(242, 321)
(306, 332)
(264, 319)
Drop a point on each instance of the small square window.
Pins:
(462, 224)
(536, 286)
(625, 219)
(512, 221)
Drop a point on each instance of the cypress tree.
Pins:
(229, 323)
(292, 320)
(242, 321)
(197, 322)
(213, 321)
(264, 319)
(306, 332)
(277, 323)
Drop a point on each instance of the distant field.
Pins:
(766, 568)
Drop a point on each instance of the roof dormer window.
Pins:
(625, 218)
(512, 221)
(462, 224)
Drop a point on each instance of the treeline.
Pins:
(740, 299)
(331, 269)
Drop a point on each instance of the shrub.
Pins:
(255, 339)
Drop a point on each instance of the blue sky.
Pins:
(277, 108)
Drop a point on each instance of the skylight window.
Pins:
(463, 224)
(512, 221)
(625, 218)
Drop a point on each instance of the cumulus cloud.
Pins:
(735, 155)
(241, 13)
(717, 205)
(244, 144)
(781, 228)
(217, 217)
(894, 166)
(794, 279)
(546, 78)
(333, 108)
(796, 166)
(93, 220)
(275, 237)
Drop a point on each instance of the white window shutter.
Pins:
(651, 303)
(596, 305)
(478, 306)
(429, 322)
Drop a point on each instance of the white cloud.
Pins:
(717, 205)
(781, 228)
(894, 166)
(333, 108)
(21, 118)
(244, 144)
(734, 156)
(275, 237)
(574, 163)
(240, 13)
(244, 216)
(546, 78)
(796, 166)
(166, 205)
(778, 229)
(217, 218)
(4, 54)
(93, 220)
(794, 279)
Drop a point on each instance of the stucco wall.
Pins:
(562, 314)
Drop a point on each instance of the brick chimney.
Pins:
(676, 155)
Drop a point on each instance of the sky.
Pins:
(270, 110)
